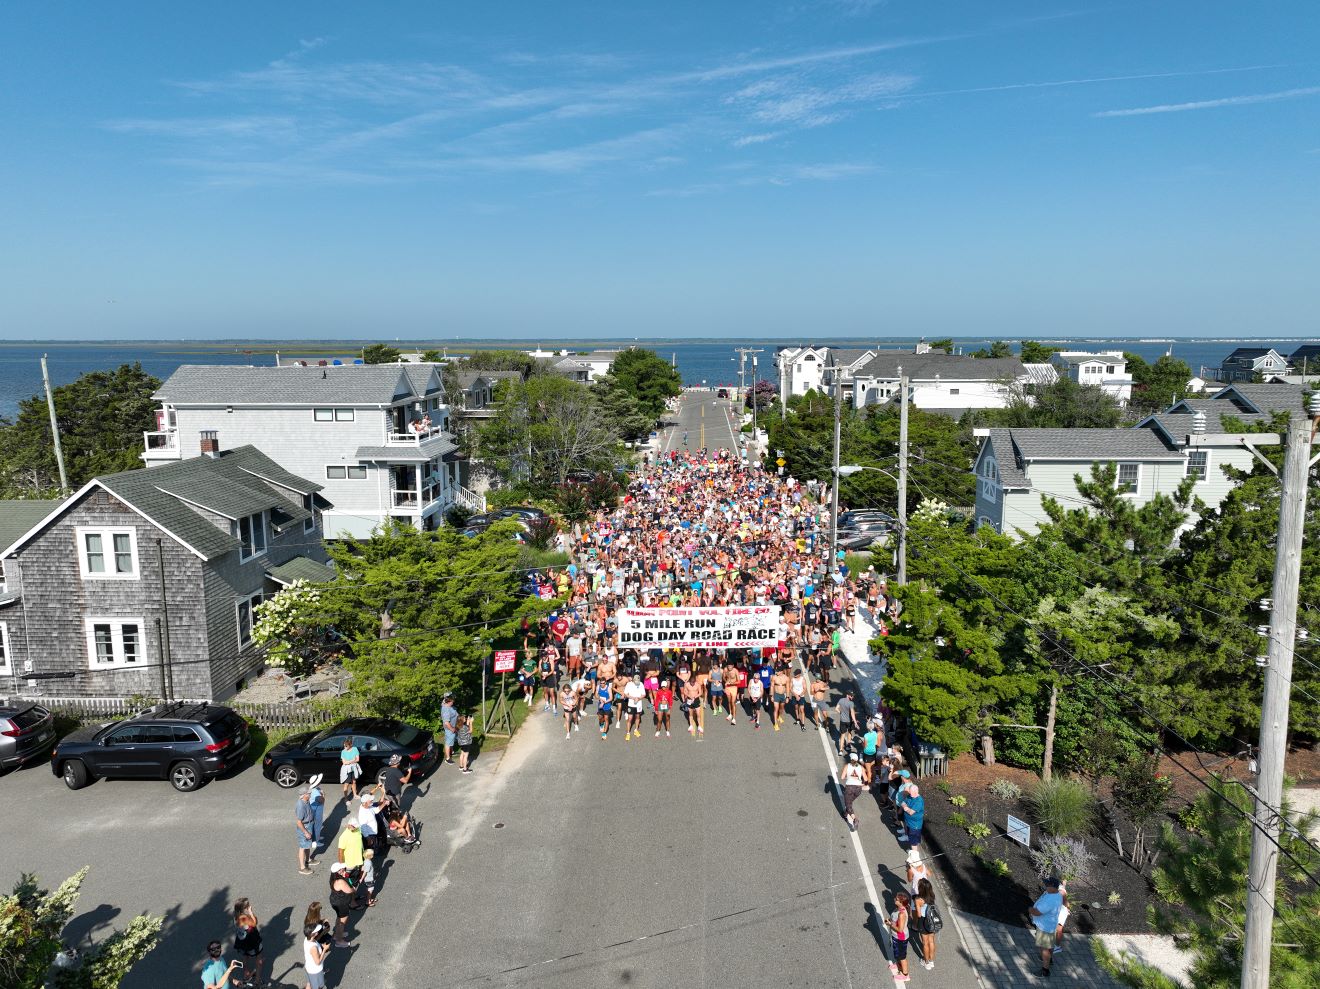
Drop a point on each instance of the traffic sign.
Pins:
(781, 461)
(505, 659)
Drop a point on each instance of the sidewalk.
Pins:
(1004, 956)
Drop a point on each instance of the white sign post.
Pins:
(698, 628)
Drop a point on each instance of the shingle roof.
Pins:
(1178, 424)
(1248, 353)
(884, 366)
(147, 490)
(17, 517)
(1310, 352)
(1265, 398)
(568, 364)
(348, 384)
(1010, 474)
(424, 378)
(224, 496)
(436, 446)
(302, 568)
(1091, 444)
(847, 357)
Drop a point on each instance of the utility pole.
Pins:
(742, 380)
(1262, 876)
(834, 496)
(902, 477)
(54, 428)
(756, 440)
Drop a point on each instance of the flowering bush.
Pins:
(289, 626)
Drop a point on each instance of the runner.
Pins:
(696, 710)
(845, 710)
(604, 705)
(548, 662)
(798, 697)
(568, 701)
(855, 777)
(778, 696)
(733, 677)
(755, 699)
(636, 697)
(664, 700)
(820, 704)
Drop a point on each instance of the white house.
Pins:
(939, 382)
(376, 437)
(1106, 369)
(804, 369)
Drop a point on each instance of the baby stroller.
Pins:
(397, 824)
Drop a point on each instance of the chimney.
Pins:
(210, 444)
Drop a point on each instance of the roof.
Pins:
(235, 475)
(1041, 374)
(568, 364)
(1263, 398)
(1075, 356)
(1310, 352)
(848, 357)
(1177, 425)
(302, 568)
(17, 517)
(347, 384)
(884, 366)
(1011, 475)
(1249, 353)
(428, 449)
(1118, 443)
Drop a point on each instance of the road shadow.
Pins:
(78, 932)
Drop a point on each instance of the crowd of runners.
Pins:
(697, 530)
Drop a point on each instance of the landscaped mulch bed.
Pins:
(975, 888)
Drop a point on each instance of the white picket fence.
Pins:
(292, 714)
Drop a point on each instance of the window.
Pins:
(1129, 478)
(182, 733)
(115, 642)
(108, 554)
(1198, 464)
(252, 535)
(4, 647)
(323, 415)
(955, 391)
(1109, 369)
(335, 473)
(247, 617)
(343, 415)
(358, 473)
(130, 735)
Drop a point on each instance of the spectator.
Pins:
(914, 816)
(317, 800)
(1045, 922)
(394, 779)
(215, 974)
(247, 942)
(366, 819)
(369, 876)
(449, 719)
(464, 737)
(316, 945)
(899, 931)
(350, 845)
(350, 768)
(303, 818)
(341, 901)
(928, 920)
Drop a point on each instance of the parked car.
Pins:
(185, 742)
(722, 393)
(525, 512)
(581, 476)
(27, 731)
(299, 756)
(868, 518)
(855, 539)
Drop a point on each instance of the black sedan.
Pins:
(525, 513)
(299, 756)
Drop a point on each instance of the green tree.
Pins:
(648, 378)
(501, 360)
(1159, 385)
(621, 410)
(432, 356)
(1062, 405)
(957, 660)
(380, 353)
(1033, 352)
(546, 427)
(418, 612)
(998, 348)
(1202, 888)
(101, 418)
(32, 922)
(943, 343)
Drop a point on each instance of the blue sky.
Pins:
(780, 168)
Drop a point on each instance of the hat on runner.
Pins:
(854, 757)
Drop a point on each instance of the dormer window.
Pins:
(251, 533)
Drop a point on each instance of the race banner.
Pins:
(694, 628)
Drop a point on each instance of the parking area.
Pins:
(188, 856)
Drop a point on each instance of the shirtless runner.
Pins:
(778, 696)
(696, 711)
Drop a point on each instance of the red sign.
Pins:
(505, 659)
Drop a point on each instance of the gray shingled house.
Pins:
(150, 577)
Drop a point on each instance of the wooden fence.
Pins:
(291, 714)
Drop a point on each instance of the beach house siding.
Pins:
(56, 601)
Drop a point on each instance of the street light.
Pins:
(848, 470)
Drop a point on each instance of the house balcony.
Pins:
(160, 446)
(417, 500)
(414, 436)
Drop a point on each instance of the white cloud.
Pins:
(1287, 94)
(791, 101)
(749, 139)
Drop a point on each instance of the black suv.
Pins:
(184, 742)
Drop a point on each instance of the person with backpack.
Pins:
(928, 921)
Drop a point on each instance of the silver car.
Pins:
(27, 731)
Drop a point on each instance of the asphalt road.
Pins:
(656, 862)
(708, 421)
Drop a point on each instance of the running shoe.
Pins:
(667, 735)
(776, 726)
(628, 737)
(657, 734)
